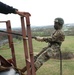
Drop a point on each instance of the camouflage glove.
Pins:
(39, 39)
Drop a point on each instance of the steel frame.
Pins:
(10, 40)
(28, 48)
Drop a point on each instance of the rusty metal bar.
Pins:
(25, 46)
(4, 62)
(10, 38)
(30, 45)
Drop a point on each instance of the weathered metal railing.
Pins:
(28, 52)
(10, 39)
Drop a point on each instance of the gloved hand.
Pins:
(39, 39)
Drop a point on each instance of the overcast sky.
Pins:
(43, 12)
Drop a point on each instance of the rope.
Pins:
(60, 63)
(13, 33)
(10, 33)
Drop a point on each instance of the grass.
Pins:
(51, 67)
(68, 44)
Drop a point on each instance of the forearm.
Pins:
(43, 39)
(6, 9)
(47, 39)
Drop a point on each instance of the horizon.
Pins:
(68, 24)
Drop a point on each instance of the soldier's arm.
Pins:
(47, 39)
(43, 39)
(39, 39)
(6, 9)
(58, 37)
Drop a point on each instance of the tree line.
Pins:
(39, 31)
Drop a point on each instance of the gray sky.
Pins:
(43, 12)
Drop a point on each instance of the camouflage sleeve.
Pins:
(47, 39)
(57, 37)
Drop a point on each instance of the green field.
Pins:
(51, 67)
